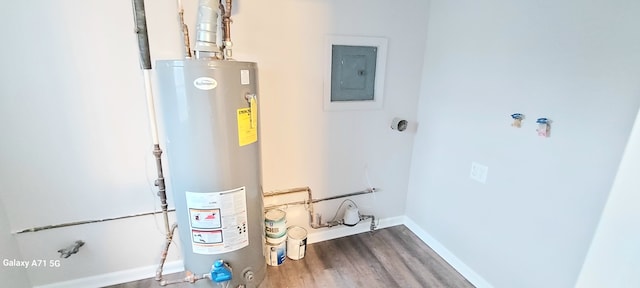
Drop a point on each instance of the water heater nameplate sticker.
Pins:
(205, 83)
(218, 221)
(247, 125)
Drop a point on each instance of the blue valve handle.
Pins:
(542, 121)
(220, 272)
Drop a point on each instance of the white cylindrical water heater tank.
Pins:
(210, 119)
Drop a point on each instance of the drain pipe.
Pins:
(145, 65)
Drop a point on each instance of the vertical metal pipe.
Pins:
(145, 64)
(226, 29)
(141, 30)
(162, 191)
(227, 21)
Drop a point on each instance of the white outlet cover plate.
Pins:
(479, 172)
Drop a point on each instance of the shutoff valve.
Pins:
(220, 272)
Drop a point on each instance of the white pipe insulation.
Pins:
(148, 91)
(140, 20)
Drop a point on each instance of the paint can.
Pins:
(296, 242)
(276, 250)
(275, 223)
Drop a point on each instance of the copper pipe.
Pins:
(227, 21)
(185, 34)
(225, 11)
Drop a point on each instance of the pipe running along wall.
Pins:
(315, 220)
(139, 15)
(145, 65)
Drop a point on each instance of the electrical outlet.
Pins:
(479, 172)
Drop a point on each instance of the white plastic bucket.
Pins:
(275, 223)
(296, 242)
(276, 251)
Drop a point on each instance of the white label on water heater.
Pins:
(218, 221)
(205, 83)
(244, 77)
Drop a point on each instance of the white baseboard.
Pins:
(319, 235)
(118, 277)
(454, 261)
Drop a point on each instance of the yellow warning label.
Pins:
(247, 126)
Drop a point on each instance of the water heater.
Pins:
(210, 119)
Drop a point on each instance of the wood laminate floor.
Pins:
(390, 257)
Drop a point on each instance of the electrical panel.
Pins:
(353, 70)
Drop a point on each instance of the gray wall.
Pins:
(76, 143)
(614, 256)
(575, 62)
